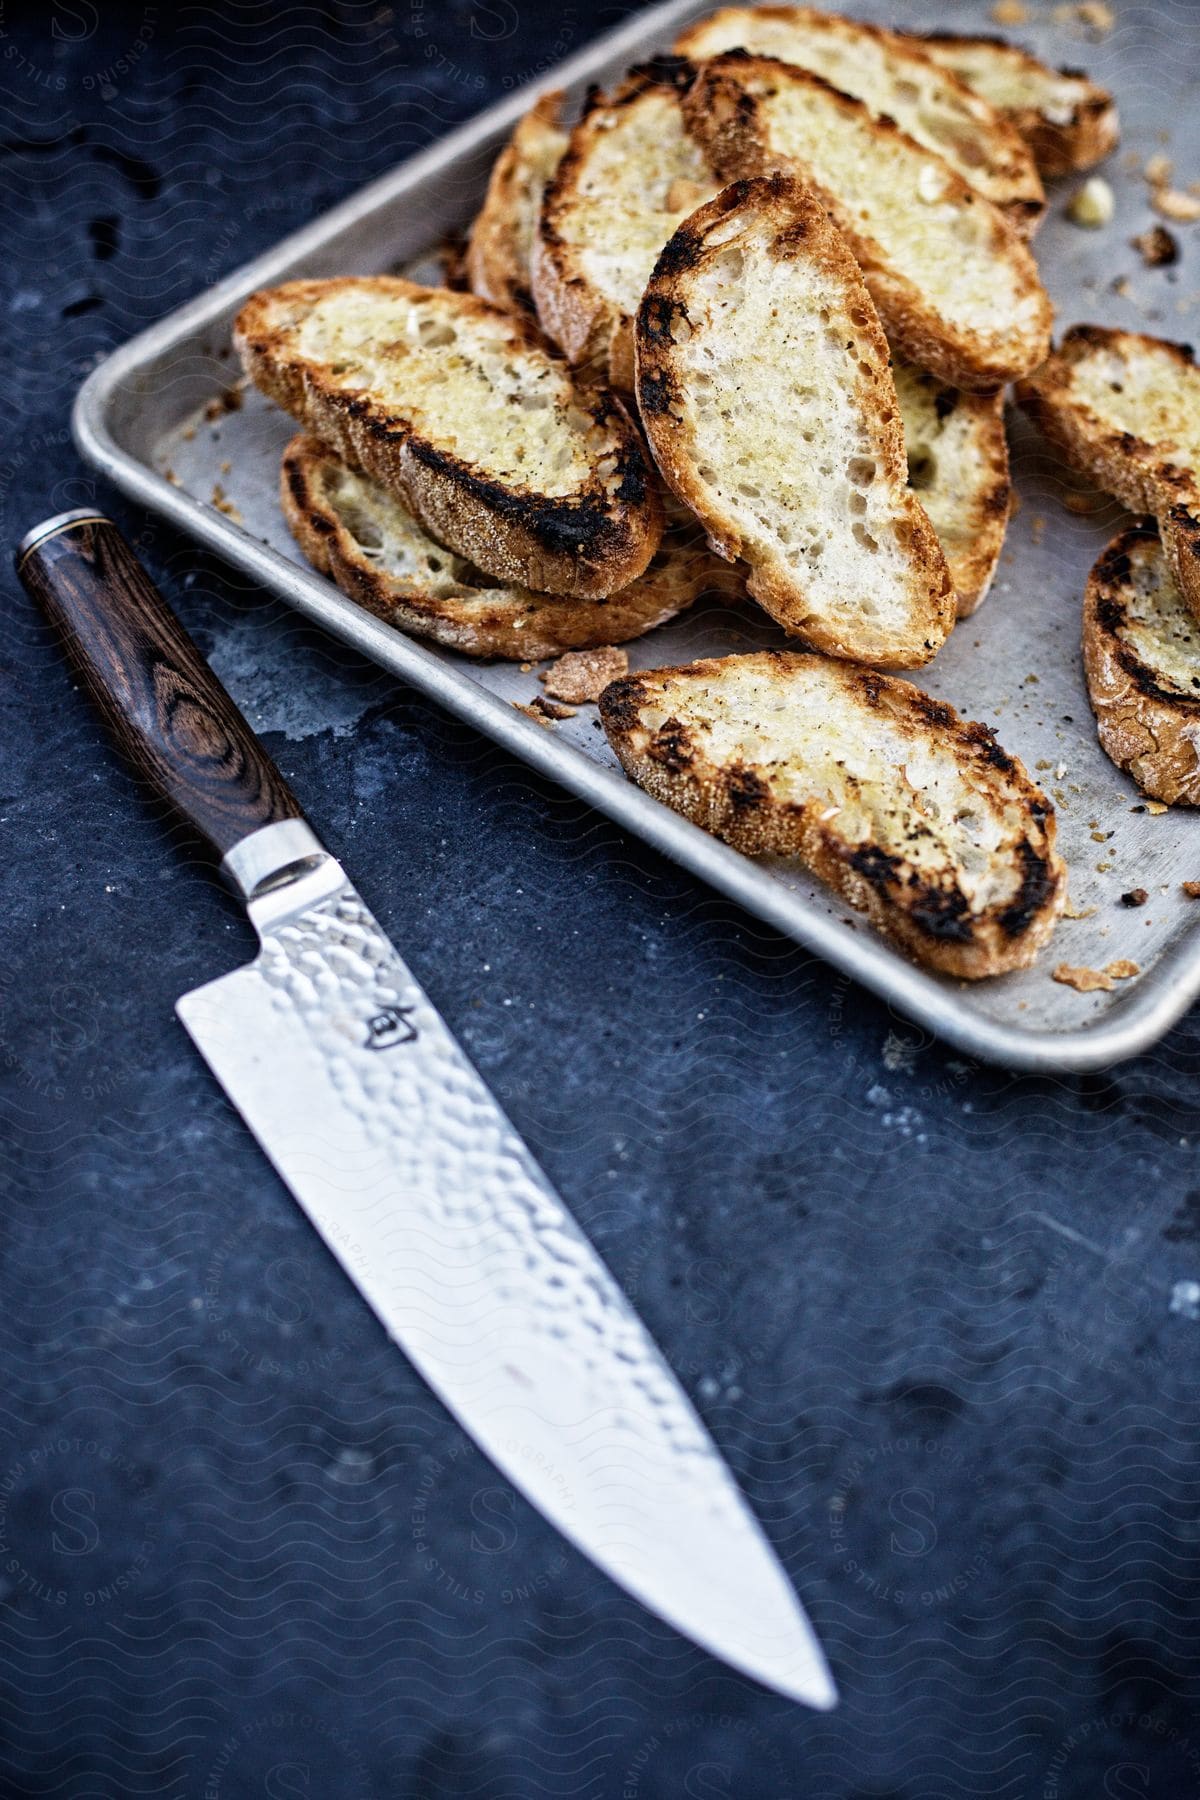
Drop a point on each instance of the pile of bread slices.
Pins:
(747, 325)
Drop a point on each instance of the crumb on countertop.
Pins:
(531, 712)
(583, 675)
(1009, 12)
(1084, 981)
(1183, 208)
(1191, 889)
(553, 709)
(227, 402)
(1122, 969)
(1071, 911)
(224, 505)
(1157, 807)
(1092, 205)
(1095, 17)
(1156, 247)
(1135, 897)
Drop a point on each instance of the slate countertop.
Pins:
(943, 1321)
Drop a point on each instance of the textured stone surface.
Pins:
(942, 1321)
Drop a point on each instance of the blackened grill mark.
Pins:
(658, 318)
(1037, 886)
(679, 253)
(656, 393)
(747, 790)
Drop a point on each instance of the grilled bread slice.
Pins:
(1141, 653)
(1125, 409)
(956, 288)
(895, 80)
(764, 388)
(630, 175)
(958, 469)
(457, 409)
(377, 553)
(1068, 122)
(501, 239)
(911, 814)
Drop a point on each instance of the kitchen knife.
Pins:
(403, 1161)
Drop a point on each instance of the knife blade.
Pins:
(404, 1162)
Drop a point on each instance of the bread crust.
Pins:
(589, 543)
(726, 109)
(998, 165)
(1063, 143)
(498, 249)
(932, 921)
(795, 228)
(593, 331)
(1145, 723)
(500, 623)
(1127, 464)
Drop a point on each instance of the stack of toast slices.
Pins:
(743, 326)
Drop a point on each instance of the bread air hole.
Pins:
(922, 467)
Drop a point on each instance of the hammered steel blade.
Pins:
(403, 1161)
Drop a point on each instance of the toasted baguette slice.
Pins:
(895, 80)
(764, 388)
(1068, 122)
(1125, 409)
(501, 239)
(377, 553)
(1141, 653)
(958, 469)
(911, 814)
(957, 289)
(630, 175)
(457, 409)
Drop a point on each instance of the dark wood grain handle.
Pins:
(172, 719)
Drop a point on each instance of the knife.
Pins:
(401, 1158)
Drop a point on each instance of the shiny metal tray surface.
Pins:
(141, 419)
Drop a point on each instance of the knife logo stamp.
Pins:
(390, 1027)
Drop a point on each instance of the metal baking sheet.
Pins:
(142, 419)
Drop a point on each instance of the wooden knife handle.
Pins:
(172, 719)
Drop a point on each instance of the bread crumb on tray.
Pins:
(583, 675)
(1092, 981)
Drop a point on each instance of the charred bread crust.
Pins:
(1146, 723)
(587, 544)
(1063, 145)
(1134, 469)
(497, 257)
(725, 108)
(998, 162)
(471, 615)
(931, 920)
(796, 228)
(593, 332)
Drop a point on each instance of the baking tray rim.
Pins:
(1130, 1026)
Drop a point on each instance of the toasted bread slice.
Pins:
(630, 175)
(894, 79)
(958, 469)
(377, 553)
(956, 288)
(457, 409)
(1141, 653)
(764, 388)
(1069, 123)
(1125, 409)
(501, 239)
(911, 814)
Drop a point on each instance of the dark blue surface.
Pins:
(938, 1317)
